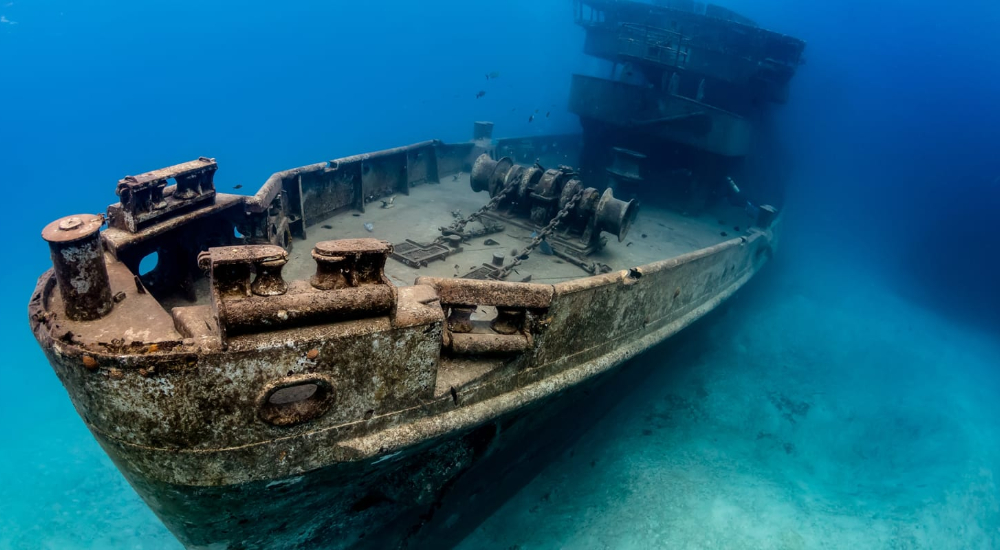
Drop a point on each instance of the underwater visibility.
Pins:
(560, 274)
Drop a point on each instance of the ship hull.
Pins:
(414, 485)
(361, 416)
(429, 496)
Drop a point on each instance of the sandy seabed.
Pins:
(810, 413)
(820, 413)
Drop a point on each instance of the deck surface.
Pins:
(657, 234)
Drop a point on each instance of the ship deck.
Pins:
(657, 234)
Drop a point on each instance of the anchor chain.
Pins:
(537, 240)
(458, 225)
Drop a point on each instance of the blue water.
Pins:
(846, 399)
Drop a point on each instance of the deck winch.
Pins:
(538, 194)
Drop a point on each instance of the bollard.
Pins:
(78, 260)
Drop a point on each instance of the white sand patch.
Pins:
(808, 420)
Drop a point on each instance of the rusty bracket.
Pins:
(146, 198)
(513, 329)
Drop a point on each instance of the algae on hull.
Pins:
(275, 383)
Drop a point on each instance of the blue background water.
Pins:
(880, 312)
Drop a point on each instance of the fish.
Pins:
(389, 203)
(547, 113)
(724, 234)
(530, 118)
(327, 226)
(494, 74)
(238, 186)
(480, 94)
(536, 111)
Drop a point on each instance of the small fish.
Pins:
(454, 178)
(536, 111)
(628, 244)
(724, 234)
(389, 203)
(530, 118)
(644, 235)
(369, 226)
(238, 186)
(547, 113)
(356, 215)
(325, 226)
(490, 242)
(494, 74)
(736, 228)
(480, 94)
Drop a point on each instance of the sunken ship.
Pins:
(329, 362)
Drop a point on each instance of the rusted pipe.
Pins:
(262, 313)
(488, 344)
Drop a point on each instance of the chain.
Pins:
(458, 225)
(537, 240)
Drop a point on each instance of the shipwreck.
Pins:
(320, 364)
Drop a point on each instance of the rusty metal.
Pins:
(626, 169)
(715, 44)
(360, 261)
(78, 261)
(541, 236)
(349, 284)
(343, 386)
(484, 272)
(542, 195)
(498, 180)
(146, 198)
(235, 387)
(418, 255)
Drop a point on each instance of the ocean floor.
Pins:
(809, 413)
(812, 413)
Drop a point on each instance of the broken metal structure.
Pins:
(259, 396)
(340, 391)
(688, 85)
